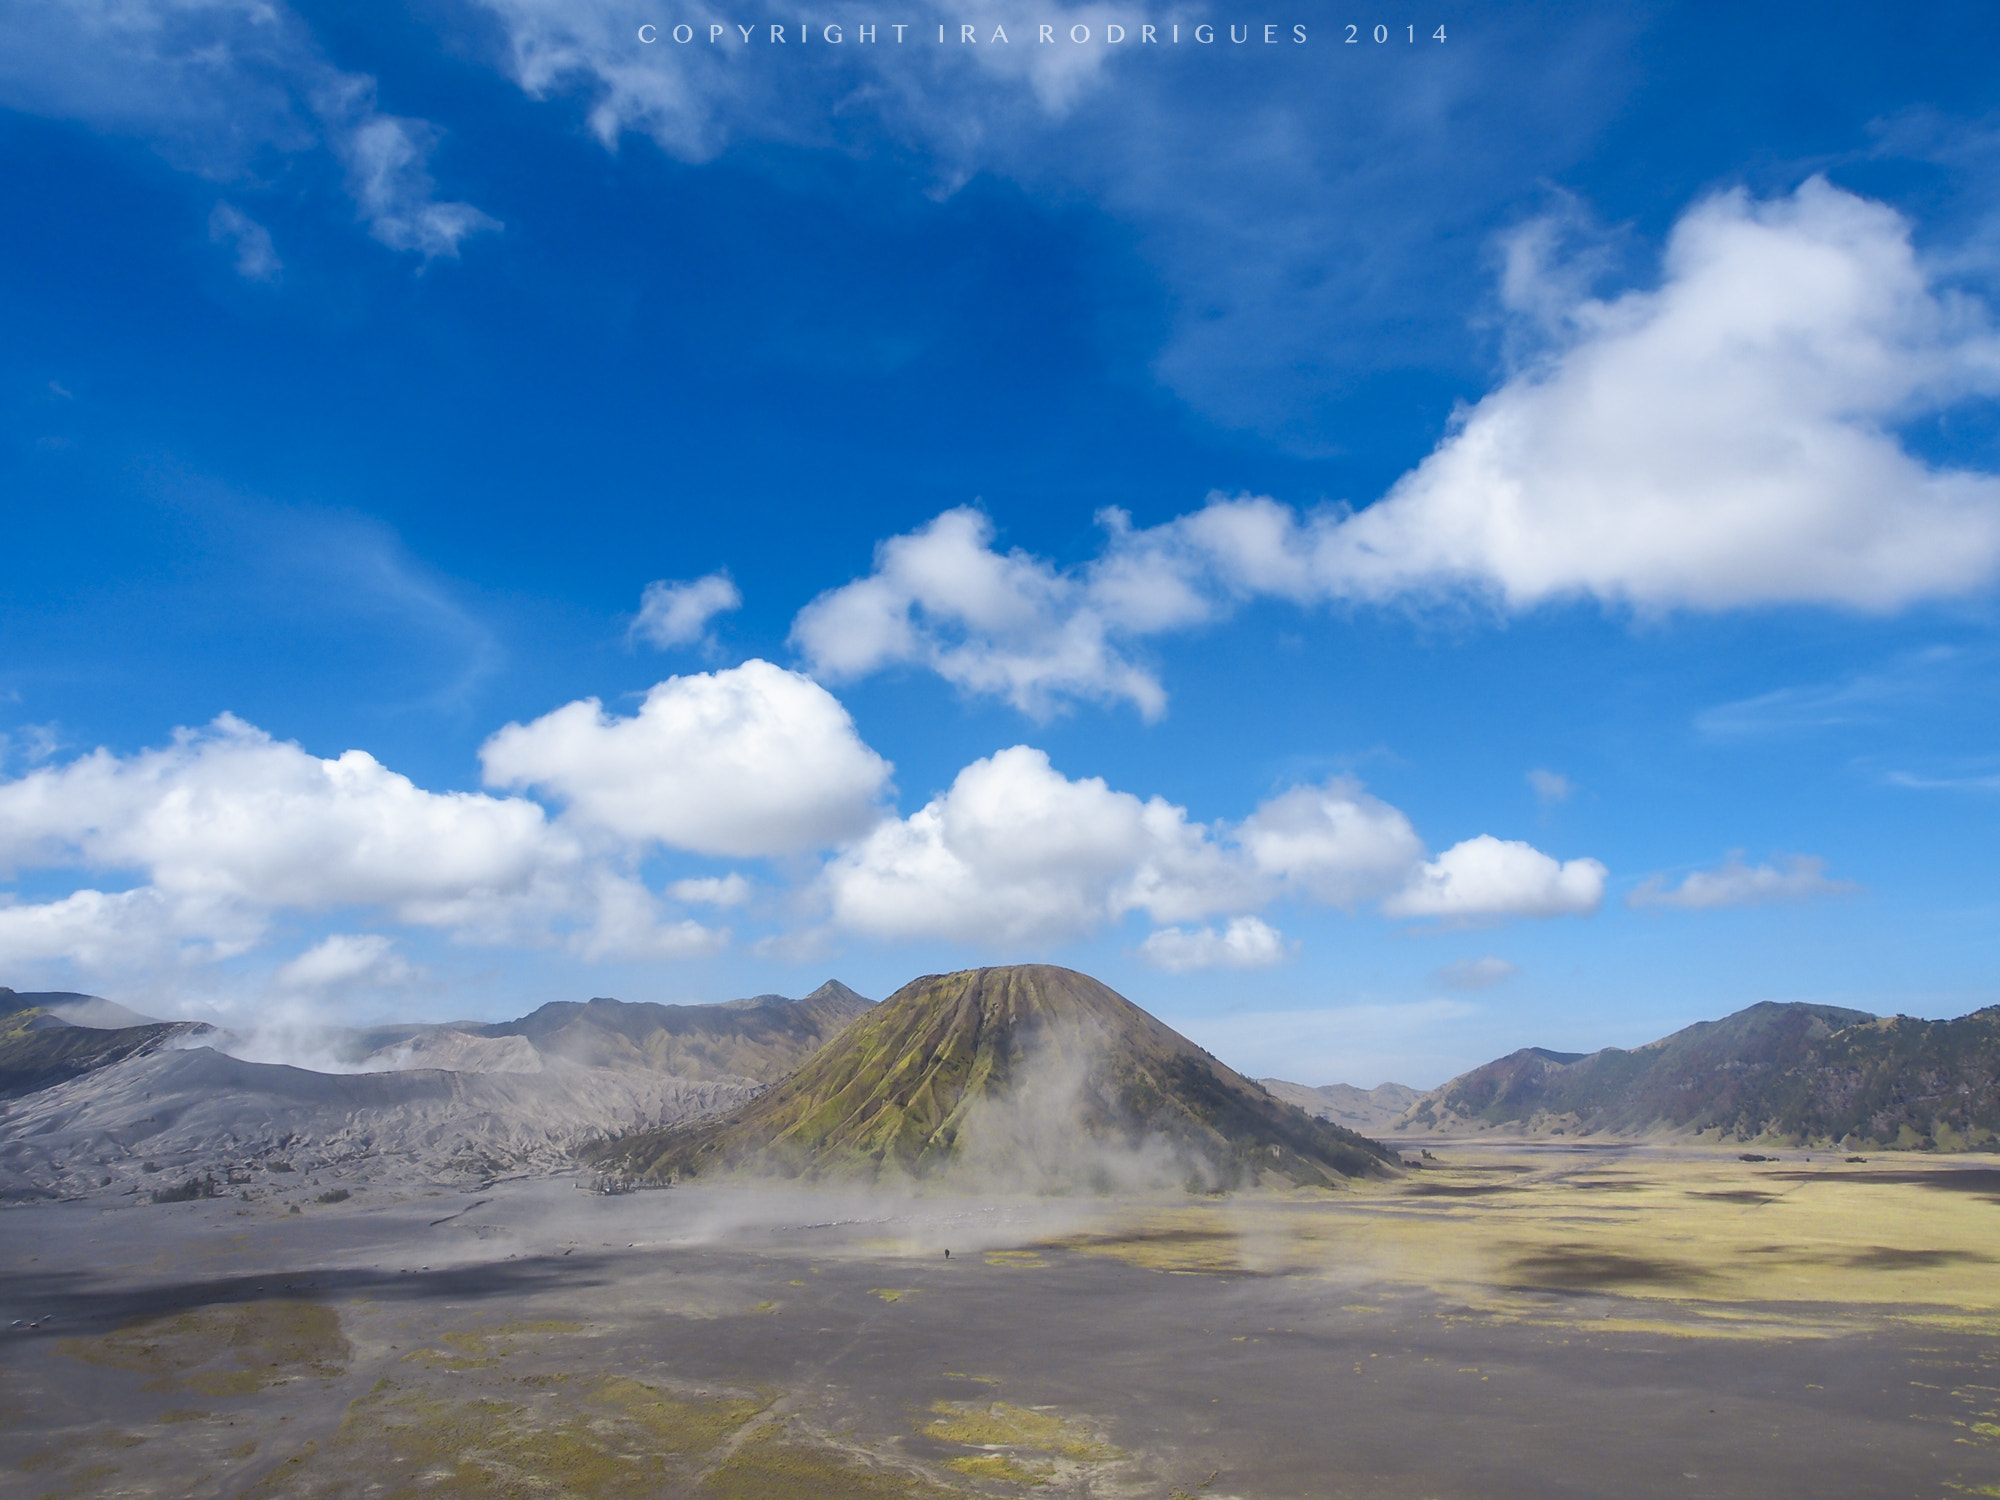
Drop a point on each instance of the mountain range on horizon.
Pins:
(1799, 1073)
(956, 1070)
(88, 1107)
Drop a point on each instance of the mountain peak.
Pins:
(1027, 1075)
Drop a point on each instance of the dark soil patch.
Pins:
(1583, 1268)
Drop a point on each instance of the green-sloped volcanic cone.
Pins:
(1029, 1076)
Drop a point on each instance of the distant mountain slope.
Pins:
(1031, 1076)
(72, 1009)
(156, 1118)
(405, 1103)
(1799, 1072)
(1367, 1111)
(762, 1038)
(37, 1051)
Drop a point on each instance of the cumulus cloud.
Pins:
(214, 85)
(1014, 852)
(1488, 877)
(1477, 973)
(1246, 943)
(1007, 624)
(226, 826)
(1734, 883)
(143, 928)
(754, 760)
(1332, 843)
(1724, 440)
(228, 813)
(678, 614)
(256, 257)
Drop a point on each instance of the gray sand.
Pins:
(535, 1339)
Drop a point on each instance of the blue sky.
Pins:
(1385, 553)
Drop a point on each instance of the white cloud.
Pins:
(627, 922)
(677, 614)
(140, 929)
(1550, 787)
(1015, 852)
(712, 890)
(256, 258)
(386, 175)
(1477, 973)
(692, 99)
(1322, 233)
(230, 814)
(227, 826)
(1246, 943)
(344, 959)
(1733, 883)
(212, 84)
(1916, 682)
(1332, 843)
(749, 761)
(1489, 877)
(1726, 440)
(1007, 624)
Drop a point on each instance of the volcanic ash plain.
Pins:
(1515, 1319)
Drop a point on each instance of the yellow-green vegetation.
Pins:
(1796, 1074)
(891, 1293)
(999, 1425)
(937, 1074)
(769, 1468)
(502, 1426)
(32, 1059)
(223, 1351)
(620, 1439)
(1023, 1258)
(1021, 1446)
(1719, 1246)
(999, 1466)
(482, 1349)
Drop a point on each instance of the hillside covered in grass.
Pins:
(1802, 1073)
(1030, 1076)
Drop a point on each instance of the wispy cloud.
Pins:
(1477, 973)
(1862, 698)
(1795, 877)
(215, 84)
(1549, 787)
(1280, 242)
(256, 258)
